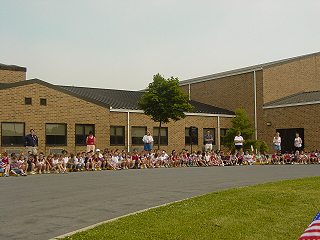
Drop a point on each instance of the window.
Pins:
(56, 134)
(137, 134)
(212, 133)
(43, 101)
(82, 131)
(189, 140)
(223, 132)
(27, 101)
(163, 137)
(12, 134)
(117, 135)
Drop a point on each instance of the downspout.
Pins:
(255, 105)
(128, 131)
(189, 92)
(219, 143)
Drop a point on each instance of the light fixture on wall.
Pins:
(268, 123)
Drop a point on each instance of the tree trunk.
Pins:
(159, 136)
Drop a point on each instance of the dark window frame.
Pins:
(12, 140)
(43, 102)
(55, 137)
(222, 129)
(27, 101)
(117, 140)
(188, 139)
(80, 139)
(137, 140)
(163, 139)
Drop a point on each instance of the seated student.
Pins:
(287, 158)
(274, 158)
(265, 157)
(4, 168)
(233, 159)
(24, 162)
(143, 158)
(41, 163)
(71, 163)
(79, 162)
(65, 162)
(96, 162)
(258, 157)
(88, 161)
(15, 167)
(154, 160)
(303, 157)
(31, 164)
(56, 164)
(115, 161)
(246, 157)
(49, 165)
(313, 158)
(134, 159)
(280, 157)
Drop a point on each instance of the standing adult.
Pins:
(238, 141)
(147, 140)
(277, 142)
(91, 142)
(30, 141)
(208, 141)
(297, 143)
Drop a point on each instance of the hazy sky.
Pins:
(121, 44)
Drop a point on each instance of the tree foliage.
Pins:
(163, 100)
(241, 122)
(263, 147)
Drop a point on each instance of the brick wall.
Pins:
(66, 109)
(60, 108)
(306, 117)
(10, 74)
(293, 77)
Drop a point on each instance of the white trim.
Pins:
(218, 126)
(125, 110)
(128, 131)
(208, 115)
(255, 107)
(186, 113)
(292, 104)
(208, 78)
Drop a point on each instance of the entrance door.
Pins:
(288, 136)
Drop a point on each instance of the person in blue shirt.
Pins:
(30, 141)
(208, 141)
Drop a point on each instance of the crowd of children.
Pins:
(118, 160)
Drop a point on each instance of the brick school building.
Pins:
(281, 96)
(62, 117)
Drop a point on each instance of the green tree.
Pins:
(263, 147)
(241, 122)
(164, 100)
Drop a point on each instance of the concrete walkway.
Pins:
(46, 206)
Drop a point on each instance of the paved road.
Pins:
(45, 206)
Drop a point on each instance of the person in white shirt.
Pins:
(238, 141)
(277, 142)
(147, 140)
(297, 142)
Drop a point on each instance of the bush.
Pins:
(264, 147)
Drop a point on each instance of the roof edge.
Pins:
(55, 87)
(12, 68)
(246, 69)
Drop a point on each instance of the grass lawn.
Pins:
(278, 210)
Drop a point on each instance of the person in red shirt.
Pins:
(91, 142)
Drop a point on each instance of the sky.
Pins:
(121, 44)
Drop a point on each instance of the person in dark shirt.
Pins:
(30, 141)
